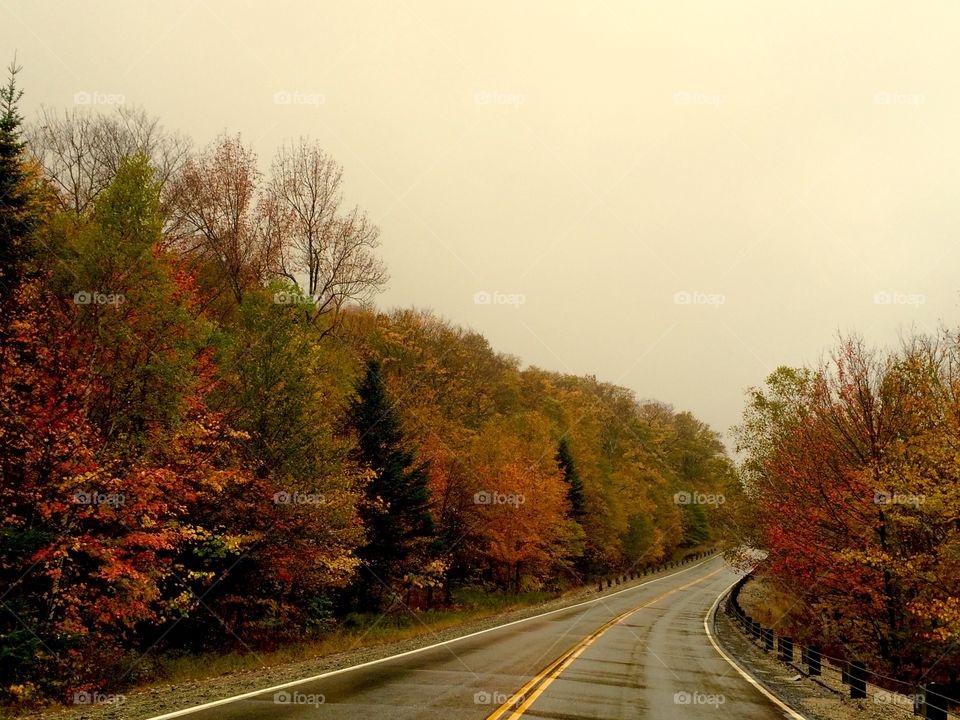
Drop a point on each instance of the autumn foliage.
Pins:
(851, 482)
(199, 453)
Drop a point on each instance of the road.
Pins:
(643, 652)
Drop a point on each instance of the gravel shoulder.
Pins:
(158, 699)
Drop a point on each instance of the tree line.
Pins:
(211, 440)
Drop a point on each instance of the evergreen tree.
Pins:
(578, 501)
(396, 514)
(18, 209)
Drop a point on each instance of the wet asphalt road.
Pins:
(639, 653)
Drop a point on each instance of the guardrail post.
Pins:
(858, 680)
(767, 639)
(786, 649)
(935, 703)
(812, 657)
(757, 627)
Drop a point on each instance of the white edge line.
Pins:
(736, 666)
(301, 681)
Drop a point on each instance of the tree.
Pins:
(333, 248)
(578, 502)
(221, 222)
(525, 531)
(20, 196)
(81, 151)
(396, 514)
(135, 309)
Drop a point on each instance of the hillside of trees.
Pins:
(211, 440)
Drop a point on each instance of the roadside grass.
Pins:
(353, 632)
(766, 603)
(356, 630)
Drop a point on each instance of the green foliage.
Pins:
(19, 194)
(575, 495)
(397, 514)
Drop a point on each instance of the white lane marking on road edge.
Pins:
(292, 683)
(733, 663)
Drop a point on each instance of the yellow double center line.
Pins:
(527, 695)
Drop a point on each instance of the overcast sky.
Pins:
(676, 197)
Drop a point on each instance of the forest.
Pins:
(212, 439)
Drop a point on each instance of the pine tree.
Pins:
(18, 211)
(396, 515)
(578, 501)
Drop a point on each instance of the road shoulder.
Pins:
(812, 699)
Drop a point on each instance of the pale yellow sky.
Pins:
(683, 195)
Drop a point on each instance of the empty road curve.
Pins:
(643, 652)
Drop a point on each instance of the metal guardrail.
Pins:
(928, 701)
(626, 577)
